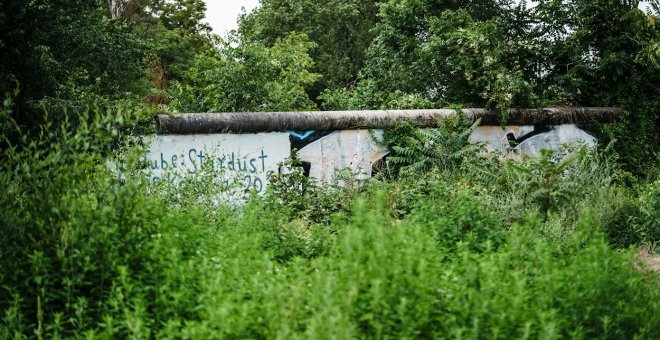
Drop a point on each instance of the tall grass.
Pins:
(447, 253)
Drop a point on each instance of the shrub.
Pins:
(648, 224)
(445, 149)
(457, 219)
(72, 230)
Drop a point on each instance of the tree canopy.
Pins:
(341, 30)
(446, 241)
(301, 54)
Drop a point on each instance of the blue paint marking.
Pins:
(299, 136)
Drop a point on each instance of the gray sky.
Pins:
(222, 14)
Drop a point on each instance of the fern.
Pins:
(544, 178)
(444, 149)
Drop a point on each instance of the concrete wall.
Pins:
(250, 159)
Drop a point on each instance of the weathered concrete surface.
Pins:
(333, 141)
(346, 149)
(529, 139)
(555, 138)
(359, 150)
(252, 157)
(497, 138)
(246, 160)
(247, 122)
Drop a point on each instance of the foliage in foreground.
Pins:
(452, 243)
(450, 252)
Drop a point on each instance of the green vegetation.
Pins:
(341, 29)
(449, 242)
(452, 251)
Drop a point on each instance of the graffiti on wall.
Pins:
(247, 160)
(529, 139)
(252, 158)
(324, 153)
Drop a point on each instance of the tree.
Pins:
(242, 76)
(185, 15)
(451, 52)
(341, 29)
(65, 55)
(58, 49)
(173, 30)
(501, 54)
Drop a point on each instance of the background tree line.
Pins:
(448, 241)
(301, 54)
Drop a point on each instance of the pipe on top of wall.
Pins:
(252, 122)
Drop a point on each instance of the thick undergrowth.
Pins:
(463, 244)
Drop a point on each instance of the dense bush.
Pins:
(248, 77)
(88, 253)
(446, 242)
(648, 224)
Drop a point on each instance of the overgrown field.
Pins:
(450, 243)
